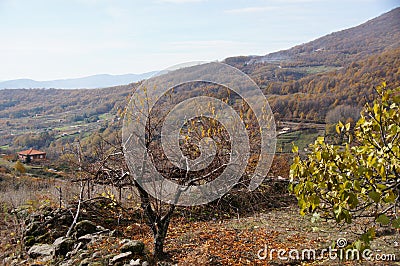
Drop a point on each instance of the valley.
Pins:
(317, 92)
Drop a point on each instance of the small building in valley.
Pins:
(32, 155)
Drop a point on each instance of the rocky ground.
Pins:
(89, 241)
(108, 234)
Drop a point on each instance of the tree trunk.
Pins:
(159, 238)
(159, 224)
(160, 230)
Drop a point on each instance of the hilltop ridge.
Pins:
(338, 48)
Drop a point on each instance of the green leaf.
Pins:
(347, 216)
(375, 196)
(376, 108)
(396, 223)
(368, 236)
(390, 197)
(347, 185)
(302, 204)
(290, 187)
(350, 174)
(337, 211)
(314, 200)
(356, 185)
(295, 149)
(338, 128)
(353, 201)
(381, 187)
(382, 172)
(357, 244)
(383, 219)
(318, 156)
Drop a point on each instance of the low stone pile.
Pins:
(80, 251)
(88, 244)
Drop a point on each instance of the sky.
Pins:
(54, 39)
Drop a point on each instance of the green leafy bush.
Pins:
(360, 177)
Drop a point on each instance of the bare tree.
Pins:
(176, 156)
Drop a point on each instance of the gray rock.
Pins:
(84, 262)
(35, 217)
(101, 229)
(124, 241)
(14, 262)
(22, 212)
(7, 260)
(96, 263)
(65, 219)
(86, 238)
(121, 257)
(78, 246)
(32, 228)
(41, 250)
(96, 255)
(85, 227)
(84, 255)
(44, 259)
(134, 246)
(44, 238)
(145, 263)
(115, 233)
(134, 262)
(63, 245)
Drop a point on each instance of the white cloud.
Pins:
(251, 9)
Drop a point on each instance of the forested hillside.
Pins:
(312, 96)
(19, 103)
(341, 68)
(302, 84)
(338, 48)
(343, 47)
(127, 175)
(45, 118)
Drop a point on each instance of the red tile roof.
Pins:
(31, 152)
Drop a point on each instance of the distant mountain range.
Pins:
(307, 81)
(303, 83)
(338, 48)
(372, 37)
(90, 82)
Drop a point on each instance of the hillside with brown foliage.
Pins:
(305, 82)
(311, 97)
(17, 103)
(343, 47)
(302, 83)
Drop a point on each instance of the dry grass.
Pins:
(216, 240)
